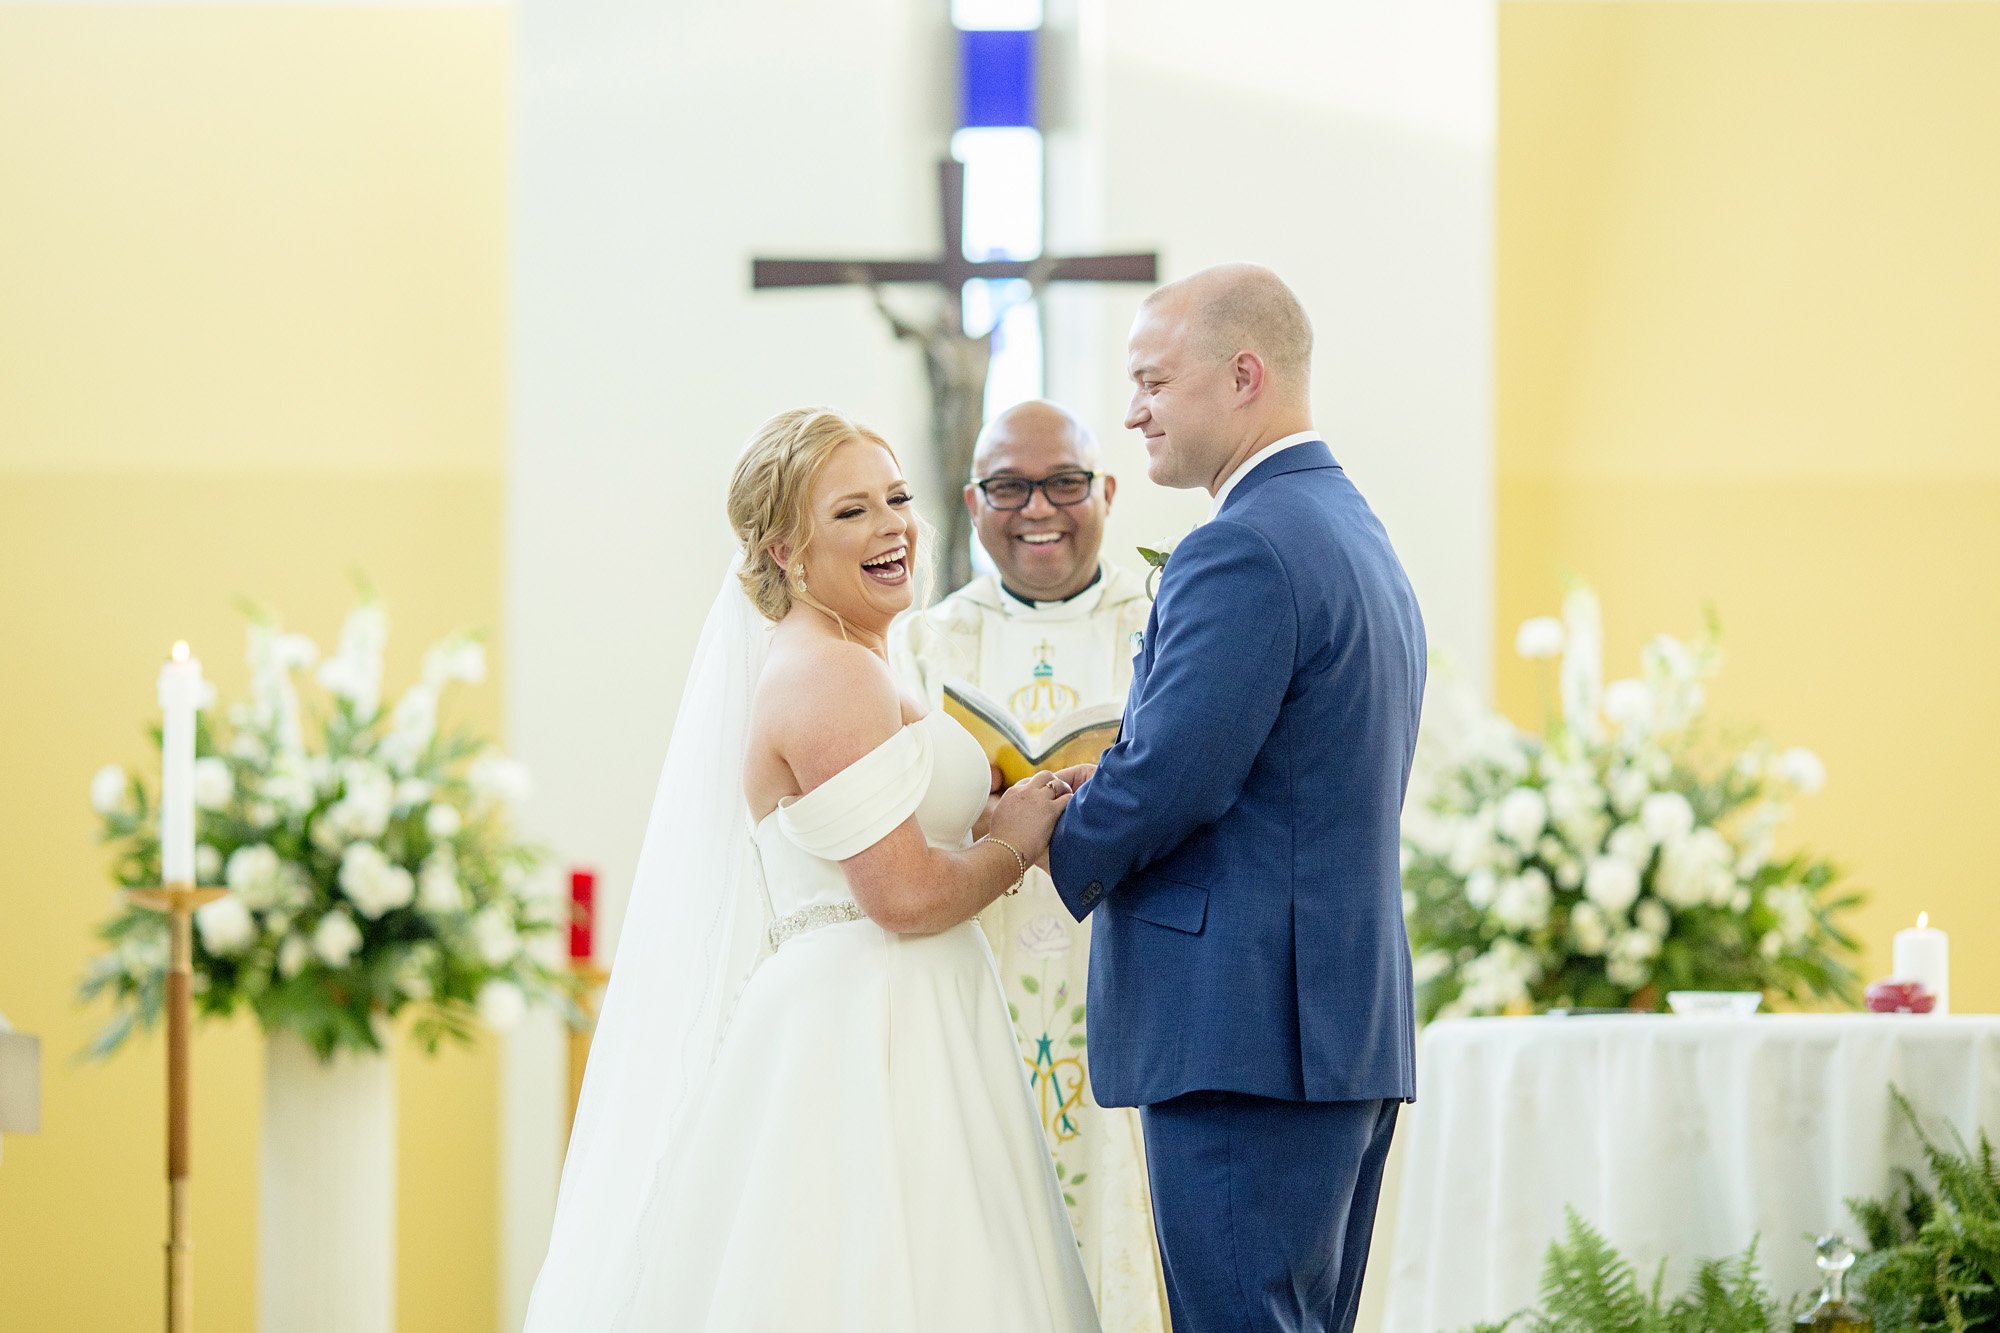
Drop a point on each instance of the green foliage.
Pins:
(369, 850)
(1933, 1264)
(1588, 1287)
(1591, 1287)
(1622, 852)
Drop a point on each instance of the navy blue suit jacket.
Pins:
(1239, 843)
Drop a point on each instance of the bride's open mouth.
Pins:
(891, 567)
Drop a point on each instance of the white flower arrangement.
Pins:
(370, 869)
(1613, 858)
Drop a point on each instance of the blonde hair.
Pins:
(768, 501)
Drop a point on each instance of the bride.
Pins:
(804, 1109)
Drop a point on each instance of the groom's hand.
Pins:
(1077, 775)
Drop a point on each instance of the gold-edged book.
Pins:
(1077, 737)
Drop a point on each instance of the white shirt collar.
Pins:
(1250, 465)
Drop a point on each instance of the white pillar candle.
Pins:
(1923, 953)
(180, 695)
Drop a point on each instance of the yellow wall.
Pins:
(251, 302)
(1749, 354)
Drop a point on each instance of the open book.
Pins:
(1077, 737)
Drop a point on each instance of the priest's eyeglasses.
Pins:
(1062, 488)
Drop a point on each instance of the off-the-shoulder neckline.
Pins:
(785, 802)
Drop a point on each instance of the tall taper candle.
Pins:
(1923, 953)
(180, 695)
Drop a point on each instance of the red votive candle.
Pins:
(582, 913)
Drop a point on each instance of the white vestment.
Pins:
(1041, 660)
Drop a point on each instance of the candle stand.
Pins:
(178, 902)
(590, 993)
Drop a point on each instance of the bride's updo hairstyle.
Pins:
(769, 496)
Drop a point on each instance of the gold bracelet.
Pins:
(1020, 865)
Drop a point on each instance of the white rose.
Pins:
(1668, 657)
(1772, 946)
(226, 926)
(438, 889)
(1522, 816)
(442, 822)
(497, 779)
(1629, 790)
(1588, 930)
(1695, 870)
(207, 864)
(1652, 917)
(336, 939)
(1472, 843)
(494, 936)
(213, 786)
(455, 659)
(289, 785)
(1569, 873)
(501, 1004)
(1429, 965)
(263, 881)
(413, 975)
(1628, 703)
(1667, 817)
(1629, 843)
(1043, 938)
(371, 883)
(367, 801)
(1803, 769)
(1611, 883)
(1523, 901)
(293, 955)
(107, 789)
(1480, 886)
(1793, 906)
(1539, 638)
(1628, 960)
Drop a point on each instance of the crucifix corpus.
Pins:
(955, 362)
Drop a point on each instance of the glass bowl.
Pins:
(1714, 1003)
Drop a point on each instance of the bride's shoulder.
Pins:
(824, 705)
(807, 677)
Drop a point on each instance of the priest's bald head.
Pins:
(1038, 501)
(1220, 363)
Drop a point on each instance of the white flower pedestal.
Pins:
(326, 1194)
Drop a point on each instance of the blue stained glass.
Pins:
(996, 77)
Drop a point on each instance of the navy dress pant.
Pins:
(1264, 1208)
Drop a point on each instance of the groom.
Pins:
(1250, 979)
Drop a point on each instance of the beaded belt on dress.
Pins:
(812, 918)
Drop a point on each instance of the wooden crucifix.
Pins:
(955, 362)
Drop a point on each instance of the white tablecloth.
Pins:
(1676, 1137)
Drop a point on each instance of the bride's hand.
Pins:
(1027, 813)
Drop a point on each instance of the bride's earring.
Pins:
(800, 578)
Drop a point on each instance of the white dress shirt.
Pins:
(1250, 465)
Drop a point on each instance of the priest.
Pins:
(1052, 630)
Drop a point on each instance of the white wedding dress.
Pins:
(863, 1153)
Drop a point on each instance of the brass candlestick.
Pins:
(590, 995)
(178, 902)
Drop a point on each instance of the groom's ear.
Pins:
(1251, 375)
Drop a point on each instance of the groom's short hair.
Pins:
(1232, 308)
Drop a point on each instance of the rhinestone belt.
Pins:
(812, 918)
